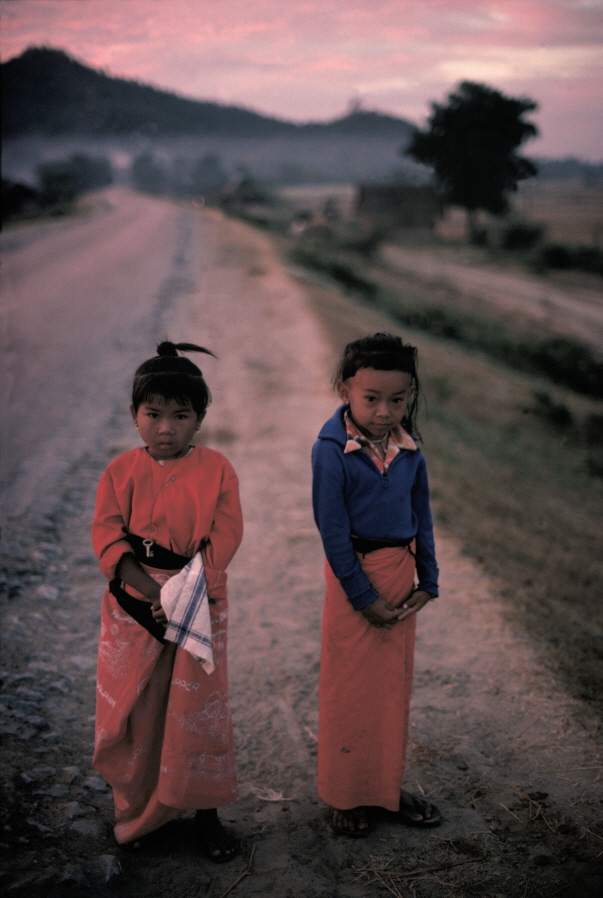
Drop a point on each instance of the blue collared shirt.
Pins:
(351, 495)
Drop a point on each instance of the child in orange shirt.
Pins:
(163, 728)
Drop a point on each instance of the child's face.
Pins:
(377, 399)
(167, 428)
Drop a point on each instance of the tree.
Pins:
(471, 143)
(62, 180)
(148, 174)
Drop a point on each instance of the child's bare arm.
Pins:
(129, 571)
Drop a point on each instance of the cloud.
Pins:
(521, 63)
(305, 59)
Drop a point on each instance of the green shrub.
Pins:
(593, 430)
(563, 257)
(520, 235)
(340, 271)
(555, 414)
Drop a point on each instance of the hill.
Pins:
(45, 91)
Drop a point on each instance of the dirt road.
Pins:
(514, 764)
(82, 299)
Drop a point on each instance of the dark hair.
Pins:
(383, 352)
(169, 376)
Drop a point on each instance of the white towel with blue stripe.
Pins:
(184, 600)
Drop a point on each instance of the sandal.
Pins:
(219, 844)
(411, 806)
(356, 816)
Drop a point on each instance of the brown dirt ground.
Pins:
(514, 764)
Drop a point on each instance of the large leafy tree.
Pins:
(471, 143)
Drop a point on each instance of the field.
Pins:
(570, 213)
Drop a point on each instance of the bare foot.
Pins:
(352, 822)
(220, 844)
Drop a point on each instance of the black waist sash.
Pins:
(364, 546)
(163, 559)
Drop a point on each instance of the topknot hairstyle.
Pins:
(169, 376)
(383, 352)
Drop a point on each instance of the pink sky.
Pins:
(307, 59)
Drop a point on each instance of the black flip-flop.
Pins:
(418, 806)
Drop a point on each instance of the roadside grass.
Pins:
(519, 496)
(510, 478)
(563, 360)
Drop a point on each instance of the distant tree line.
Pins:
(204, 177)
(58, 184)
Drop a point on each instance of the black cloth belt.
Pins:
(364, 546)
(161, 558)
(138, 609)
(165, 560)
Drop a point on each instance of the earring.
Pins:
(136, 427)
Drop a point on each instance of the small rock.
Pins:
(96, 784)
(75, 809)
(43, 667)
(40, 723)
(72, 773)
(26, 734)
(75, 874)
(111, 866)
(89, 829)
(23, 884)
(46, 593)
(45, 830)
(24, 678)
(42, 773)
(9, 729)
(543, 860)
(29, 694)
(84, 662)
(57, 790)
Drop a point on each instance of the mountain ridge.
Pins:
(46, 91)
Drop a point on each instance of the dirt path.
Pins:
(513, 763)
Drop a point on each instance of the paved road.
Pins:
(82, 302)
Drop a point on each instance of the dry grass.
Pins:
(517, 494)
(514, 491)
(572, 213)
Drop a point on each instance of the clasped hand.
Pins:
(381, 613)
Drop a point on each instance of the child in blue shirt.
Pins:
(371, 506)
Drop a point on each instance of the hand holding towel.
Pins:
(184, 600)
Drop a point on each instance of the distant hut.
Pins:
(396, 207)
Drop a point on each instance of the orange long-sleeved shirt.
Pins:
(178, 503)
